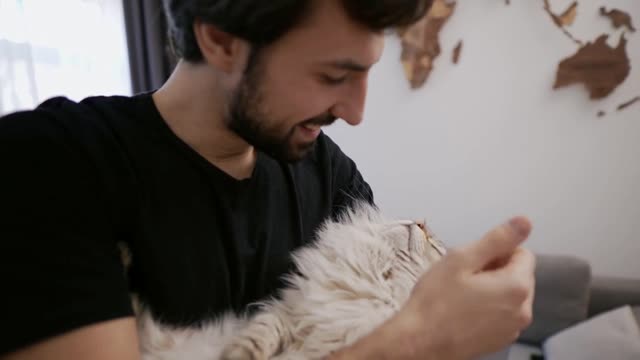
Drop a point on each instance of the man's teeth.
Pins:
(313, 127)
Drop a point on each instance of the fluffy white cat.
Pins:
(358, 273)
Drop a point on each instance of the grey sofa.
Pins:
(567, 294)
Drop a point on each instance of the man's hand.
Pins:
(475, 301)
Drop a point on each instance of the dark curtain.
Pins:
(150, 57)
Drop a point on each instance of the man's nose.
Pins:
(350, 106)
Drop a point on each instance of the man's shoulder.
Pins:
(60, 115)
(346, 179)
(60, 121)
(61, 133)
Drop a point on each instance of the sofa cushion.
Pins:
(611, 335)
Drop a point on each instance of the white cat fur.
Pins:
(357, 274)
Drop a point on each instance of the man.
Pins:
(211, 181)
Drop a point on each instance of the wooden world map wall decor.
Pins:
(565, 19)
(618, 18)
(421, 42)
(599, 67)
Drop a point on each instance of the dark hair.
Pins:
(261, 22)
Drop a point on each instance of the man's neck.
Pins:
(194, 111)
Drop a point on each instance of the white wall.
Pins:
(488, 138)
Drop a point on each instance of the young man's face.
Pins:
(313, 75)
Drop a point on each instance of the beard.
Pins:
(246, 119)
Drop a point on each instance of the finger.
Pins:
(516, 278)
(497, 263)
(520, 264)
(526, 311)
(497, 245)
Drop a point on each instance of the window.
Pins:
(73, 48)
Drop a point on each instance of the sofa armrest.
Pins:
(561, 298)
(608, 292)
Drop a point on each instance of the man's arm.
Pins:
(60, 266)
(115, 339)
(473, 302)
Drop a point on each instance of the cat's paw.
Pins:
(242, 352)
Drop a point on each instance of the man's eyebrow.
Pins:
(348, 64)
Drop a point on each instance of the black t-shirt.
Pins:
(78, 180)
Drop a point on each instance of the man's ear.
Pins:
(220, 49)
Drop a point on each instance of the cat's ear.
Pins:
(397, 234)
(397, 224)
(394, 227)
(388, 229)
